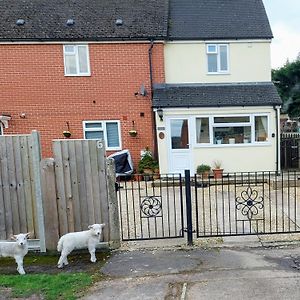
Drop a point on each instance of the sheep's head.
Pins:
(21, 239)
(96, 229)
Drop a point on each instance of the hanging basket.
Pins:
(132, 132)
(67, 133)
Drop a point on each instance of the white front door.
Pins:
(179, 145)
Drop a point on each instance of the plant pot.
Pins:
(204, 174)
(231, 140)
(218, 173)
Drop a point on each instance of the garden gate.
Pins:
(250, 203)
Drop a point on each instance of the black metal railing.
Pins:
(248, 203)
(151, 206)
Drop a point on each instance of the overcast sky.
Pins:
(284, 16)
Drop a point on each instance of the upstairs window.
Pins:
(108, 131)
(217, 58)
(76, 59)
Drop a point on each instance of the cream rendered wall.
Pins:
(234, 158)
(186, 62)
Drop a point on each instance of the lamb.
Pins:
(17, 249)
(78, 240)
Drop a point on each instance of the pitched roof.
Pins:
(93, 19)
(215, 95)
(218, 19)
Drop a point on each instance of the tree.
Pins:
(287, 81)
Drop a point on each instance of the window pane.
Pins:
(94, 134)
(82, 56)
(112, 135)
(232, 135)
(179, 134)
(231, 119)
(261, 128)
(70, 49)
(70, 64)
(93, 125)
(202, 130)
(223, 58)
(212, 62)
(212, 49)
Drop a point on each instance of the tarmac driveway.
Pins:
(226, 273)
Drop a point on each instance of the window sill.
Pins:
(77, 75)
(261, 144)
(218, 73)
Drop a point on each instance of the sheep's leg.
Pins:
(92, 251)
(19, 261)
(63, 260)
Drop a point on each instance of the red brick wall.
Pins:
(32, 81)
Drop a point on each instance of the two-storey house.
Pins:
(218, 102)
(83, 67)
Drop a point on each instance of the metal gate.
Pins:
(250, 203)
(150, 207)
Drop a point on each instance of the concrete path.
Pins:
(216, 273)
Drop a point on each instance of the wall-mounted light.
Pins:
(160, 113)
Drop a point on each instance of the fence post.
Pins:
(49, 202)
(36, 151)
(188, 207)
(113, 208)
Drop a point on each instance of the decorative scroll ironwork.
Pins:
(151, 206)
(249, 203)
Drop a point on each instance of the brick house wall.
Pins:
(32, 81)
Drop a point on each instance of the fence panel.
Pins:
(289, 149)
(20, 200)
(81, 185)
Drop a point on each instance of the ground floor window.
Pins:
(109, 131)
(221, 130)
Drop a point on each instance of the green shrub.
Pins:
(203, 168)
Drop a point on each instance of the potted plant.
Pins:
(147, 164)
(203, 170)
(218, 172)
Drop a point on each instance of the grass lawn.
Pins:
(44, 280)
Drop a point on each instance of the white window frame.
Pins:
(103, 128)
(219, 71)
(1, 129)
(251, 124)
(75, 52)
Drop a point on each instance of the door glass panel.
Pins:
(179, 134)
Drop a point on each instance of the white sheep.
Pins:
(78, 240)
(17, 249)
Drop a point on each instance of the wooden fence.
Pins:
(76, 189)
(20, 188)
(290, 151)
(53, 196)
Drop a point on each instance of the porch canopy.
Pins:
(215, 95)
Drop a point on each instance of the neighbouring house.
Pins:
(81, 68)
(218, 102)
